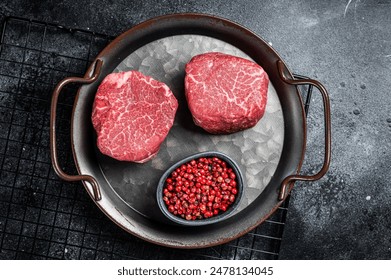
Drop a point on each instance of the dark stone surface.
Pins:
(344, 44)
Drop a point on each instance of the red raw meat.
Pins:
(132, 115)
(225, 93)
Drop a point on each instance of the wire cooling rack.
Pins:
(41, 216)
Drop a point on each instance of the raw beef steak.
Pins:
(132, 115)
(225, 93)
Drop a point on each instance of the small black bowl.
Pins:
(206, 221)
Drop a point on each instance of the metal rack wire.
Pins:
(42, 217)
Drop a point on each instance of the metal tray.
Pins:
(270, 154)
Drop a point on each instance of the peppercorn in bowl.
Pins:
(201, 189)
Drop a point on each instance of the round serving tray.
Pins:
(269, 155)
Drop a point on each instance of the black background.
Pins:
(344, 44)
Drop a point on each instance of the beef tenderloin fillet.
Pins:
(132, 115)
(225, 93)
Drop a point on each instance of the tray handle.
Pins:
(53, 148)
(327, 122)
